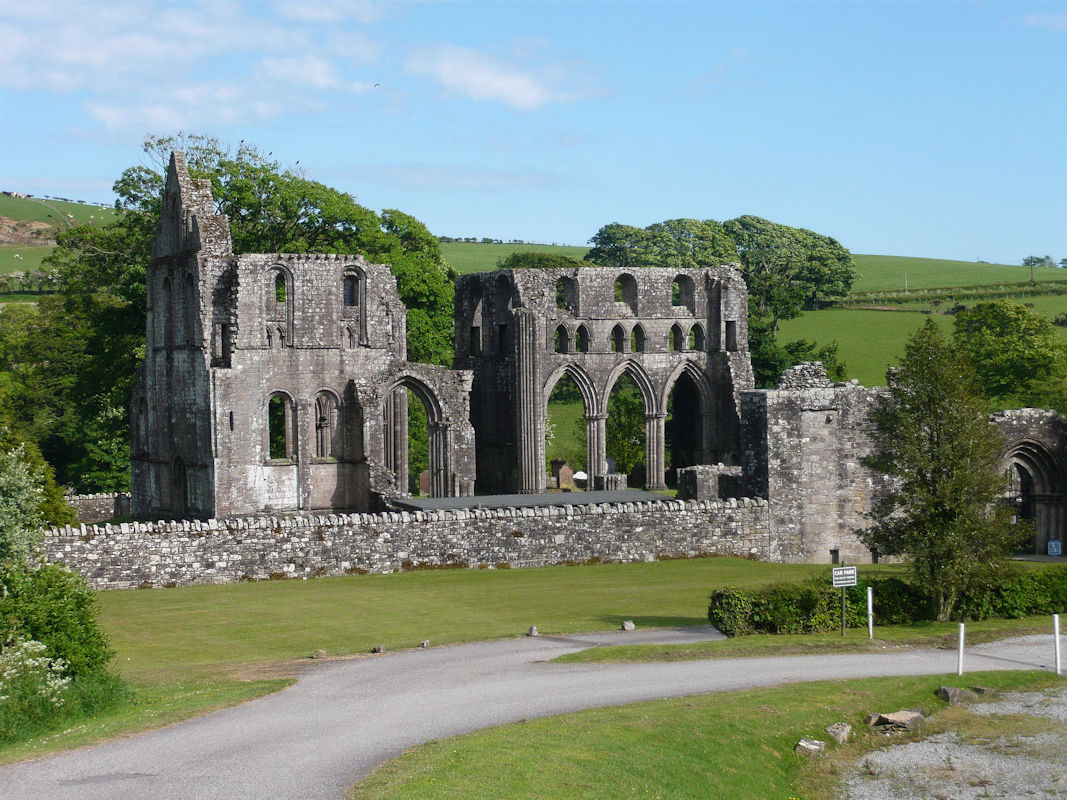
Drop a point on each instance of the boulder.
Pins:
(811, 748)
(954, 695)
(905, 720)
(839, 731)
(628, 625)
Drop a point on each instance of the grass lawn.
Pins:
(736, 745)
(474, 257)
(165, 635)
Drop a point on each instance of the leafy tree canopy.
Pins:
(932, 435)
(1018, 357)
(532, 259)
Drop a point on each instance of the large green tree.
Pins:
(102, 289)
(1019, 359)
(932, 436)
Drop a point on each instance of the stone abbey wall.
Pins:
(99, 507)
(157, 554)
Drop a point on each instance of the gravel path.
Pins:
(944, 768)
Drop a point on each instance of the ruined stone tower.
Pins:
(277, 382)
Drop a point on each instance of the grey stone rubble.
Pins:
(954, 695)
(811, 748)
(839, 732)
(905, 720)
(1006, 767)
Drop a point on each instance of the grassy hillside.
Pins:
(31, 257)
(56, 213)
(474, 257)
(877, 273)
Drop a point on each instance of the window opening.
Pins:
(280, 427)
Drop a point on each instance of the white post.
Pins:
(1056, 639)
(870, 612)
(959, 655)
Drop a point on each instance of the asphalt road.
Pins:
(343, 718)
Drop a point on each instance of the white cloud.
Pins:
(309, 72)
(450, 177)
(471, 73)
(330, 10)
(1049, 22)
(159, 65)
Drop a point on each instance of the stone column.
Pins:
(596, 458)
(440, 452)
(708, 450)
(530, 405)
(655, 450)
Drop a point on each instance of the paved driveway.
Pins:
(343, 718)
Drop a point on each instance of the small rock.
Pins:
(906, 719)
(532, 631)
(872, 720)
(982, 690)
(840, 731)
(954, 695)
(378, 648)
(424, 643)
(812, 748)
(628, 625)
(319, 654)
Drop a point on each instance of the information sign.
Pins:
(844, 576)
(1055, 547)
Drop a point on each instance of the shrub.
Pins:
(730, 611)
(1061, 319)
(52, 605)
(36, 696)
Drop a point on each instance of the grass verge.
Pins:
(149, 707)
(737, 745)
(921, 634)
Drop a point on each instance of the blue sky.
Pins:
(926, 129)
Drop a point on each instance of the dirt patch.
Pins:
(24, 231)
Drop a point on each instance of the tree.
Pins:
(625, 425)
(531, 259)
(932, 436)
(21, 494)
(1018, 357)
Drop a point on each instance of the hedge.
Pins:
(815, 606)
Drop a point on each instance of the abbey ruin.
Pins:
(270, 414)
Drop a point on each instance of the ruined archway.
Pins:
(1036, 491)
(417, 438)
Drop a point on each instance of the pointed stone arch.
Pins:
(693, 413)
(1037, 489)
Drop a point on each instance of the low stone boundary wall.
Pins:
(137, 554)
(99, 507)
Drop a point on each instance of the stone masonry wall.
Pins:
(99, 507)
(131, 555)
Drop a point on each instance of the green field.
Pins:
(868, 341)
(879, 273)
(30, 261)
(474, 257)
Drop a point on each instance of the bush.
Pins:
(1017, 594)
(731, 611)
(52, 605)
(36, 695)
